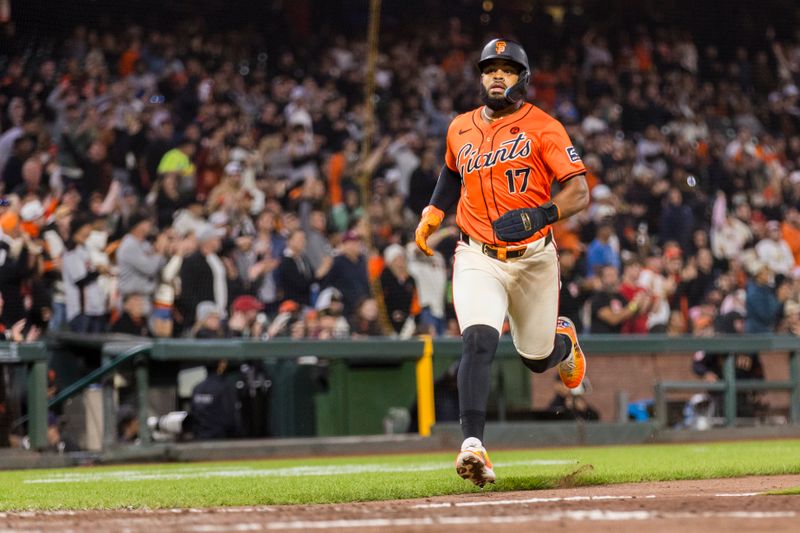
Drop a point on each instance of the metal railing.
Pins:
(34, 356)
(422, 351)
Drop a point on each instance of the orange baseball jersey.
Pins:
(505, 165)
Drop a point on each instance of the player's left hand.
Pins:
(519, 224)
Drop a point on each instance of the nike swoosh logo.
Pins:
(462, 132)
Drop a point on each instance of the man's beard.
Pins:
(493, 103)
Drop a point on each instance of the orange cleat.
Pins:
(573, 368)
(473, 463)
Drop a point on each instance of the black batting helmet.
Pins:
(513, 52)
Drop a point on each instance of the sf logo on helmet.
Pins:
(499, 47)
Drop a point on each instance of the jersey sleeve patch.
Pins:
(572, 153)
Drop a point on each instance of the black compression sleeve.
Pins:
(448, 189)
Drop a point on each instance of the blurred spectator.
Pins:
(262, 258)
(365, 320)
(602, 208)
(15, 267)
(160, 142)
(178, 161)
(570, 404)
(295, 275)
(22, 149)
(20, 331)
(139, 262)
(301, 151)
(660, 289)
(202, 277)
(333, 324)
(729, 234)
(422, 182)
(31, 183)
(609, 308)
(223, 196)
(215, 409)
(629, 289)
(603, 250)
(314, 223)
(677, 324)
(55, 236)
(289, 314)
(430, 277)
(697, 278)
(85, 299)
(709, 366)
(398, 291)
(169, 200)
(208, 324)
(774, 251)
(246, 318)
(575, 289)
(133, 319)
(127, 424)
(790, 231)
(764, 304)
(10, 147)
(349, 272)
(677, 220)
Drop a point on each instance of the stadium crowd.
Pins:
(185, 183)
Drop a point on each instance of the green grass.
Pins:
(380, 477)
(786, 492)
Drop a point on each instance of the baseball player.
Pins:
(500, 162)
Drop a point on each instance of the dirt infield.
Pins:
(711, 505)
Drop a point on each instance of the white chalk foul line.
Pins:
(9, 530)
(321, 470)
(438, 505)
(481, 503)
(588, 515)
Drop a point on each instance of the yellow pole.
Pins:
(365, 174)
(426, 414)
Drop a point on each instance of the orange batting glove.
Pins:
(431, 219)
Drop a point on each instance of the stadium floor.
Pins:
(709, 505)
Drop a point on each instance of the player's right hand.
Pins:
(431, 219)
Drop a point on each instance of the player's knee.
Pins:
(535, 365)
(541, 352)
(480, 341)
(541, 363)
(529, 347)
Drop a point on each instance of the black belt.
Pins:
(501, 253)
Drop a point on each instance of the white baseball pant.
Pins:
(526, 288)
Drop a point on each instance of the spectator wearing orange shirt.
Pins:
(790, 231)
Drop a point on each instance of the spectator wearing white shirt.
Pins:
(774, 251)
(85, 298)
(430, 275)
(729, 235)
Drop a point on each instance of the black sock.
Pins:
(472, 424)
(561, 349)
(474, 378)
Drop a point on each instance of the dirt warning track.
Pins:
(709, 505)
